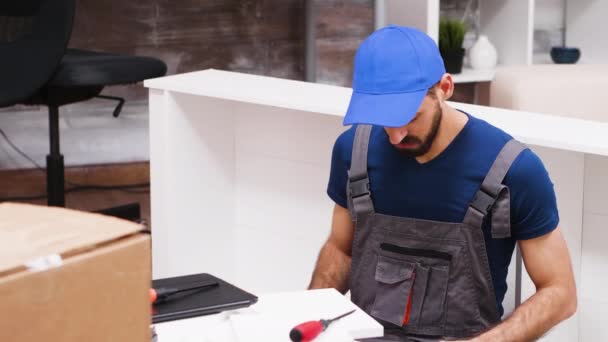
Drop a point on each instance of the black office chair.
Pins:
(37, 68)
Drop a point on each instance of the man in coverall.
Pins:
(429, 204)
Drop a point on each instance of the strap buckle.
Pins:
(483, 202)
(359, 187)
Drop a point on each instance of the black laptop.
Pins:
(208, 300)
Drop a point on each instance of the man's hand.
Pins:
(548, 263)
(333, 265)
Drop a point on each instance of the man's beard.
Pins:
(425, 144)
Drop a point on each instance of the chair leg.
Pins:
(54, 163)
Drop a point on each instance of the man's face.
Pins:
(416, 138)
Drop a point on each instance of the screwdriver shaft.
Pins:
(343, 315)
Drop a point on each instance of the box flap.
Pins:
(29, 232)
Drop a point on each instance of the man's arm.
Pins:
(333, 264)
(548, 263)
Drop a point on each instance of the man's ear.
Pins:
(445, 87)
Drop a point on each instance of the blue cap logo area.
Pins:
(394, 69)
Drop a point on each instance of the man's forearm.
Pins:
(545, 309)
(332, 270)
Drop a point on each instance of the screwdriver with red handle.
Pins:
(307, 331)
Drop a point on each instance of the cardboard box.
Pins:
(72, 276)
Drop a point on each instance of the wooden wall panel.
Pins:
(254, 36)
(263, 37)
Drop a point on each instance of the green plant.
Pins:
(451, 34)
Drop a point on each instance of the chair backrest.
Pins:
(34, 35)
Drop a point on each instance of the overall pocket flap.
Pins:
(391, 271)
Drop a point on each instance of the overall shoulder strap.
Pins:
(493, 196)
(358, 189)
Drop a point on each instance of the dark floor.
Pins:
(32, 183)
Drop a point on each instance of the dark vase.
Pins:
(452, 59)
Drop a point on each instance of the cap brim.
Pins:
(387, 110)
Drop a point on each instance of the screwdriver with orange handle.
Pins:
(162, 294)
(308, 331)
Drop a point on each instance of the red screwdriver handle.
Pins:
(306, 331)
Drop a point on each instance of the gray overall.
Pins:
(437, 272)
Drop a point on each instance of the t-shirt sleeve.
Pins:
(340, 162)
(533, 203)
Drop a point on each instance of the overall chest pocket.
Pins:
(413, 292)
(395, 279)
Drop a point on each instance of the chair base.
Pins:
(55, 180)
(55, 176)
(131, 212)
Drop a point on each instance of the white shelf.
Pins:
(424, 15)
(470, 75)
(557, 132)
(585, 29)
(509, 24)
(510, 27)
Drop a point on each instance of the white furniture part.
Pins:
(271, 319)
(573, 92)
(239, 169)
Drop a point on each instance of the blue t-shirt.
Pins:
(441, 189)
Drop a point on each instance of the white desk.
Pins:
(272, 318)
(239, 168)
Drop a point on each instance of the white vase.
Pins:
(482, 55)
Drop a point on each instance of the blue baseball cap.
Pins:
(394, 69)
